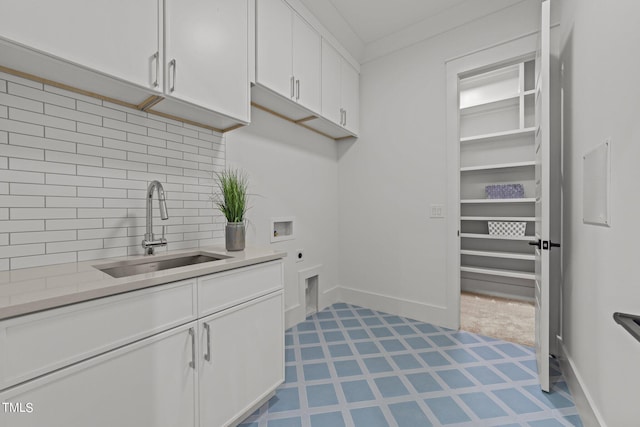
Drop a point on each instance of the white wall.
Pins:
(74, 172)
(393, 256)
(293, 172)
(599, 50)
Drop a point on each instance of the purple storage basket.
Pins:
(504, 191)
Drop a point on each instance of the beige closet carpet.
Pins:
(501, 318)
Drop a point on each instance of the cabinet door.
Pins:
(351, 97)
(148, 383)
(306, 64)
(245, 349)
(117, 37)
(331, 90)
(207, 54)
(273, 46)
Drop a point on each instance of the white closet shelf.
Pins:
(499, 272)
(495, 254)
(492, 103)
(498, 218)
(498, 166)
(492, 237)
(482, 201)
(499, 135)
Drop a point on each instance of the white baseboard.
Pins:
(589, 414)
(392, 305)
(329, 297)
(294, 315)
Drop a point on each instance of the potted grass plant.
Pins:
(231, 199)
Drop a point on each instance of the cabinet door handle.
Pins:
(207, 355)
(345, 118)
(156, 57)
(192, 334)
(172, 64)
(341, 115)
(293, 82)
(297, 89)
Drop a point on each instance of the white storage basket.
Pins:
(507, 228)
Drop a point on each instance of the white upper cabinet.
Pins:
(288, 54)
(206, 60)
(340, 90)
(350, 95)
(94, 34)
(331, 76)
(306, 64)
(274, 62)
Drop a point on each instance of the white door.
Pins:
(331, 77)
(306, 64)
(242, 358)
(543, 208)
(148, 383)
(116, 37)
(207, 54)
(273, 46)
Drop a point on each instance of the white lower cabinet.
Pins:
(148, 383)
(159, 363)
(242, 358)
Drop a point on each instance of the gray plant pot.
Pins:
(234, 236)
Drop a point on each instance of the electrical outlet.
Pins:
(300, 255)
(437, 211)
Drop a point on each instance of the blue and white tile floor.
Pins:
(353, 367)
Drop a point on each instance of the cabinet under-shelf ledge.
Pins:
(499, 272)
(495, 237)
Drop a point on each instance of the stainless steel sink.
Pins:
(150, 265)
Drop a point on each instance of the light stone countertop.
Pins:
(30, 290)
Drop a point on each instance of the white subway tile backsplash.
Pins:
(76, 202)
(75, 172)
(173, 137)
(21, 250)
(44, 190)
(72, 114)
(101, 253)
(181, 130)
(124, 146)
(20, 176)
(21, 127)
(38, 166)
(101, 152)
(40, 95)
(64, 135)
(22, 152)
(75, 245)
(124, 164)
(77, 159)
(12, 226)
(46, 213)
(99, 110)
(21, 201)
(15, 79)
(55, 179)
(21, 103)
(72, 224)
(102, 233)
(100, 131)
(42, 143)
(43, 237)
(102, 172)
(41, 119)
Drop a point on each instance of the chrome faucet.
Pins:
(149, 243)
